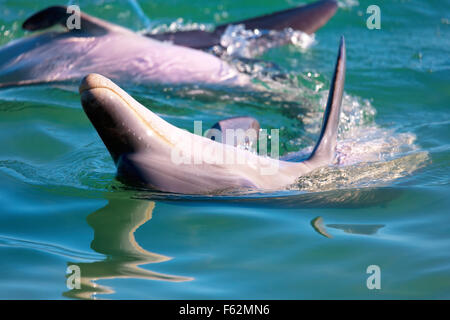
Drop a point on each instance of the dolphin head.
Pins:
(123, 124)
(142, 144)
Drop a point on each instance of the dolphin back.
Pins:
(307, 18)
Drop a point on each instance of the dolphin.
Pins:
(307, 18)
(123, 55)
(151, 153)
(116, 52)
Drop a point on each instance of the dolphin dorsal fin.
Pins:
(324, 150)
(59, 15)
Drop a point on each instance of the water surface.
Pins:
(385, 204)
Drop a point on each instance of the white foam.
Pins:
(348, 3)
(240, 42)
(178, 25)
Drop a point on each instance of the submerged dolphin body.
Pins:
(116, 52)
(120, 54)
(143, 145)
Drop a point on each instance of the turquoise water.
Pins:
(386, 204)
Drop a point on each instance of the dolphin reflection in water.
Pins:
(114, 226)
(350, 228)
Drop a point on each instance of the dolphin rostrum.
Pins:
(151, 153)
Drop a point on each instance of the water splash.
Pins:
(355, 113)
(240, 42)
(367, 174)
(9, 33)
(177, 25)
(348, 3)
(366, 155)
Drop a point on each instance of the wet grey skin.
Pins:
(99, 46)
(123, 55)
(143, 145)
